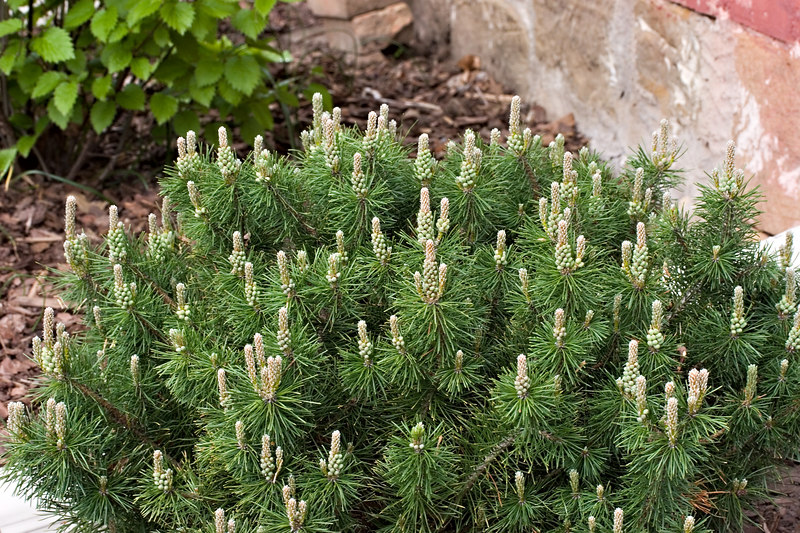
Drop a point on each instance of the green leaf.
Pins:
(203, 95)
(25, 143)
(172, 68)
(204, 25)
(265, 6)
(131, 97)
(217, 9)
(141, 10)
(263, 115)
(103, 22)
(6, 160)
(78, 13)
(58, 118)
(163, 106)
(53, 45)
(77, 65)
(178, 16)
(101, 87)
(250, 128)
(102, 115)
(209, 71)
(243, 73)
(7, 27)
(116, 56)
(119, 32)
(65, 95)
(21, 121)
(276, 56)
(161, 37)
(228, 93)
(184, 121)
(10, 56)
(249, 23)
(46, 83)
(29, 76)
(141, 68)
(284, 96)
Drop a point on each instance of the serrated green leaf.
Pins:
(208, 71)
(102, 115)
(119, 32)
(103, 22)
(65, 95)
(249, 22)
(161, 37)
(7, 27)
(217, 9)
(116, 56)
(101, 87)
(29, 76)
(264, 6)
(77, 65)
(10, 56)
(204, 26)
(203, 95)
(78, 13)
(243, 73)
(58, 118)
(46, 83)
(141, 68)
(141, 10)
(228, 93)
(185, 121)
(163, 106)
(7, 157)
(178, 16)
(53, 45)
(131, 97)
(25, 143)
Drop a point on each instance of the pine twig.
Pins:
(478, 472)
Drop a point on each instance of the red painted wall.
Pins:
(779, 19)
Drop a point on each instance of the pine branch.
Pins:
(499, 448)
(121, 419)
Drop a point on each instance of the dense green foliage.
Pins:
(84, 63)
(311, 345)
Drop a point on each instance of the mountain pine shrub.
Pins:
(510, 339)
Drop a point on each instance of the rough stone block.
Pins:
(368, 32)
(345, 9)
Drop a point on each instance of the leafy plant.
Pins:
(82, 65)
(311, 345)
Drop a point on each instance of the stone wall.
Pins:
(621, 65)
(719, 69)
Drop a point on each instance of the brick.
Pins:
(779, 19)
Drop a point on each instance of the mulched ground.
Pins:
(431, 94)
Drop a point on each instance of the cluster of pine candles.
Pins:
(354, 338)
